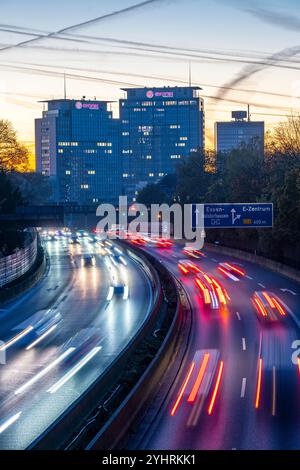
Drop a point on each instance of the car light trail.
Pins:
(260, 307)
(43, 372)
(182, 390)
(234, 268)
(183, 269)
(110, 293)
(38, 340)
(16, 338)
(126, 293)
(268, 299)
(9, 422)
(258, 387)
(217, 385)
(231, 276)
(199, 378)
(204, 291)
(74, 370)
(279, 308)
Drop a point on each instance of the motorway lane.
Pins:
(38, 385)
(234, 336)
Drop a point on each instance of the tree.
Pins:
(285, 139)
(13, 155)
(151, 194)
(35, 187)
(10, 196)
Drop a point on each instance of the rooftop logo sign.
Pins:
(159, 94)
(83, 105)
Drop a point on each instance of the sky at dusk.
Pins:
(150, 45)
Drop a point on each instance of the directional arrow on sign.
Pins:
(234, 217)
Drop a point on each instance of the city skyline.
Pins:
(131, 57)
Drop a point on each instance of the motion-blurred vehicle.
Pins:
(187, 267)
(88, 260)
(74, 240)
(230, 268)
(118, 290)
(193, 253)
(268, 307)
(82, 233)
(211, 291)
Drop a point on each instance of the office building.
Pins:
(159, 126)
(77, 146)
(240, 131)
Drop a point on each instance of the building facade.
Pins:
(77, 146)
(158, 127)
(240, 131)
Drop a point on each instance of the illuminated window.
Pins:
(151, 174)
(60, 151)
(91, 172)
(68, 172)
(84, 186)
(183, 138)
(148, 157)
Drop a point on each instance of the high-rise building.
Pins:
(77, 145)
(232, 134)
(158, 126)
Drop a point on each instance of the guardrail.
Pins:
(14, 266)
(62, 428)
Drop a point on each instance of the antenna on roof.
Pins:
(65, 87)
(249, 115)
(190, 74)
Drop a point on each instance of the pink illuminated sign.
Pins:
(162, 94)
(82, 105)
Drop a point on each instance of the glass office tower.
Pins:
(240, 131)
(159, 126)
(77, 145)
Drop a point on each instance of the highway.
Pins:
(62, 334)
(237, 387)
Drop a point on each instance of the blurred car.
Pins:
(230, 268)
(268, 307)
(82, 233)
(186, 266)
(88, 260)
(193, 253)
(74, 240)
(212, 293)
(164, 243)
(118, 290)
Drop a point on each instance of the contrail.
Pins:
(84, 23)
(282, 20)
(251, 69)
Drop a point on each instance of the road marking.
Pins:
(238, 315)
(249, 277)
(243, 389)
(244, 344)
(262, 285)
(214, 260)
(289, 291)
(274, 392)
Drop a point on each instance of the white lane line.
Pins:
(289, 291)
(214, 260)
(9, 422)
(238, 315)
(249, 277)
(244, 344)
(243, 389)
(261, 285)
